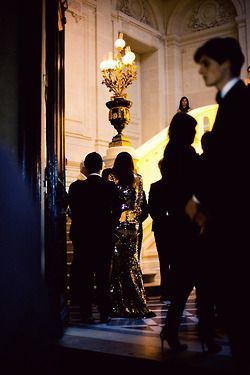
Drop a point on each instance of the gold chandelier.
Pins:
(118, 73)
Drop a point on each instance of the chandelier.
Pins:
(118, 73)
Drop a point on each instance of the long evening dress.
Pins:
(128, 296)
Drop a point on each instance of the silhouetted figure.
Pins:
(94, 211)
(222, 195)
(180, 165)
(205, 287)
(206, 136)
(75, 187)
(128, 295)
(158, 204)
(81, 175)
(178, 168)
(184, 105)
(105, 173)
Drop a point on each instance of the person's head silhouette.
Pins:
(220, 60)
(105, 173)
(182, 129)
(93, 163)
(205, 139)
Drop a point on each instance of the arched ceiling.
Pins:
(193, 16)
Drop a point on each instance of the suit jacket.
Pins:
(94, 209)
(224, 185)
(158, 204)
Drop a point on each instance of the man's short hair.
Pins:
(221, 50)
(93, 162)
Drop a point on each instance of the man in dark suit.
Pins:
(158, 210)
(93, 204)
(221, 201)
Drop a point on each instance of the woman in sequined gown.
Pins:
(128, 296)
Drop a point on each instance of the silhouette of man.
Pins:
(93, 203)
(157, 204)
(222, 197)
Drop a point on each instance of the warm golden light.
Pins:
(119, 72)
(129, 57)
(120, 43)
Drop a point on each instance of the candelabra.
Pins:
(118, 73)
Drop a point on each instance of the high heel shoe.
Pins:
(173, 342)
(210, 347)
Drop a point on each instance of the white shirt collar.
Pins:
(94, 174)
(228, 86)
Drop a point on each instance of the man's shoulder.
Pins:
(242, 96)
(237, 97)
(240, 88)
(75, 185)
(109, 185)
(156, 185)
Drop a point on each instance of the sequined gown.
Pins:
(128, 296)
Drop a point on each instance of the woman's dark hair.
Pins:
(184, 109)
(182, 128)
(123, 169)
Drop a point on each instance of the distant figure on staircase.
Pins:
(184, 105)
(128, 297)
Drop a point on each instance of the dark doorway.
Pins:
(56, 196)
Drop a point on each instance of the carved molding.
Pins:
(74, 8)
(210, 13)
(76, 16)
(138, 9)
